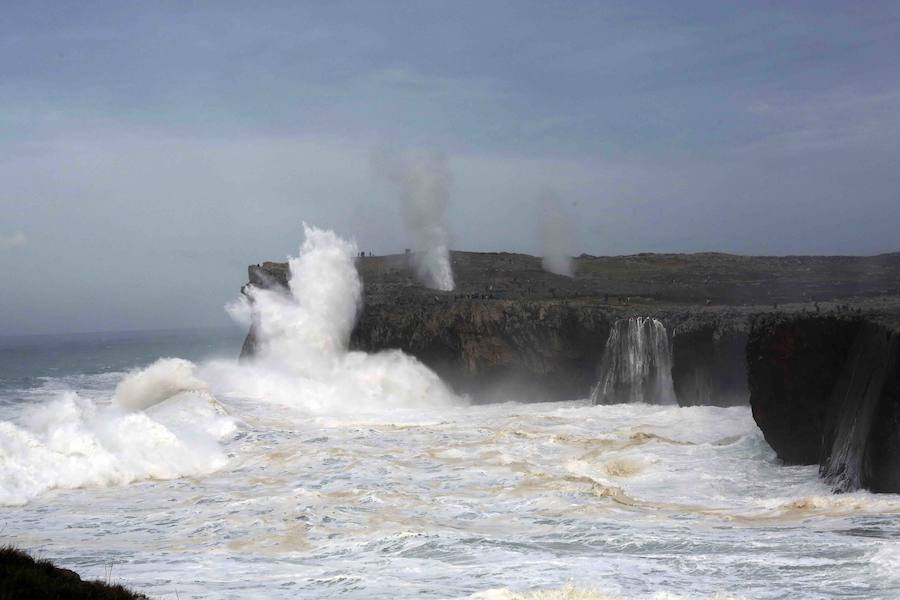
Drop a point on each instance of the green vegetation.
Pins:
(23, 578)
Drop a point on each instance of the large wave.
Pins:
(303, 335)
(158, 426)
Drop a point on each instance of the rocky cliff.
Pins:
(797, 337)
(824, 390)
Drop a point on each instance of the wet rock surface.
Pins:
(824, 390)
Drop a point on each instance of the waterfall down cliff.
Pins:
(636, 364)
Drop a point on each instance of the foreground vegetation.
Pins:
(24, 578)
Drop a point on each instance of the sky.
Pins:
(150, 151)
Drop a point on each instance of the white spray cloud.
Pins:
(16, 239)
(557, 235)
(302, 357)
(74, 442)
(423, 181)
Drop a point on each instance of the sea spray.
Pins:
(163, 379)
(303, 358)
(636, 364)
(556, 233)
(155, 430)
(308, 328)
(423, 181)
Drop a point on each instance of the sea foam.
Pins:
(157, 427)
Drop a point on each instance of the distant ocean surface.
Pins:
(40, 365)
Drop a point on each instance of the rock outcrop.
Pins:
(810, 341)
(824, 391)
(709, 365)
(24, 578)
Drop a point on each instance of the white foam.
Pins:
(72, 442)
(567, 592)
(163, 379)
(302, 357)
(572, 592)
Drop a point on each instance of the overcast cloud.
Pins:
(149, 152)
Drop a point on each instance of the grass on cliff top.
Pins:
(24, 578)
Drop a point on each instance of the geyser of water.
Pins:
(557, 235)
(636, 364)
(423, 181)
(302, 356)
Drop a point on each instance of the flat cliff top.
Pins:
(644, 282)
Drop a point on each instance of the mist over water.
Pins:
(422, 181)
(557, 234)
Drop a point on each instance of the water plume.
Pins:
(636, 364)
(557, 235)
(302, 356)
(422, 179)
(310, 326)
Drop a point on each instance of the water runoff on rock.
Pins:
(636, 364)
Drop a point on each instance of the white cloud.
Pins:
(16, 239)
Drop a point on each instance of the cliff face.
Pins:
(824, 391)
(709, 364)
(495, 350)
(811, 341)
(854, 440)
(793, 364)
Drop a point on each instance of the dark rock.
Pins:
(793, 365)
(883, 451)
(495, 350)
(846, 461)
(709, 366)
(23, 578)
(824, 390)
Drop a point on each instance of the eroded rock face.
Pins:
(710, 365)
(793, 365)
(883, 450)
(495, 350)
(824, 390)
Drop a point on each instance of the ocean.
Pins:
(319, 472)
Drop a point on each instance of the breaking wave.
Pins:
(152, 429)
(302, 356)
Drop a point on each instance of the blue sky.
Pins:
(150, 151)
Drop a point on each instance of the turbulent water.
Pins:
(320, 472)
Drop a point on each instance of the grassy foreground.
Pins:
(23, 578)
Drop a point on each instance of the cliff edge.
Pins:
(796, 337)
